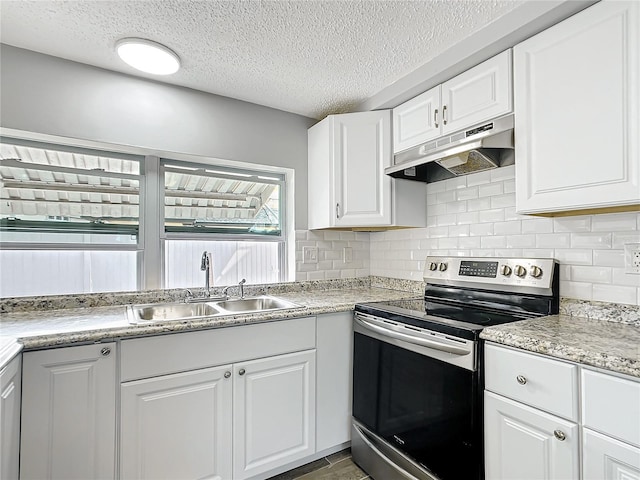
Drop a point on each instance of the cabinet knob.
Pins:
(241, 371)
(227, 374)
(105, 352)
(559, 434)
(522, 380)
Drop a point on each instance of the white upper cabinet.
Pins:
(481, 93)
(417, 121)
(347, 185)
(577, 105)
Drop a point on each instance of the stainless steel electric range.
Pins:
(417, 373)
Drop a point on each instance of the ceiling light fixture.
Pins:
(148, 56)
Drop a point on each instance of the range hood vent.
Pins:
(486, 146)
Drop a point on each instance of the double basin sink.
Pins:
(161, 312)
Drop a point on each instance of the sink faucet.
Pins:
(205, 266)
(240, 284)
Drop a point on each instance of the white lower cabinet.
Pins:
(611, 417)
(608, 459)
(10, 380)
(68, 428)
(334, 379)
(177, 426)
(274, 412)
(222, 404)
(524, 443)
(228, 422)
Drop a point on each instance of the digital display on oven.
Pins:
(478, 269)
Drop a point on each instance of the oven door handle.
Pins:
(424, 342)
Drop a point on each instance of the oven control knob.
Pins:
(505, 270)
(443, 267)
(520, 271)
(535, 272)
(433, 266)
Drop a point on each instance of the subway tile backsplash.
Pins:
(475, 216)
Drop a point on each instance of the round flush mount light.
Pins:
(148, 56)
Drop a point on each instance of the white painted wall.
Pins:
(49, 95)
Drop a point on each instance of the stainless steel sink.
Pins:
(158, 312)
(254, 304)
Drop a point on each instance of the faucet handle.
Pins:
(188, 295)
(243, 281)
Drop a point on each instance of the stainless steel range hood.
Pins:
(483, 147)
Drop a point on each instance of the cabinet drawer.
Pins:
(153, 356)
(550, 385)
(611, 405)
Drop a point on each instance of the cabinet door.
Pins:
(274, 412)
(361, 152)
(416, 121)
(577, 112)
(334, 354)
(10, 419)
(178, 426)
(607, 459)
(521, 443)
(481, 93)
(69, 413)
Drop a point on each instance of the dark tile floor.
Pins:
(338, 466)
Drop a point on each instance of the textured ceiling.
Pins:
(309, 57)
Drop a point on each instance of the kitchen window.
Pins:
(234, 214)
(74, 220)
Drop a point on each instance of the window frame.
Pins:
(151, 236)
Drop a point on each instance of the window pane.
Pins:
(56, 272)
(63, 193)
(258, 262)
(203, 200)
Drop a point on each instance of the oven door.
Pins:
(417, 391)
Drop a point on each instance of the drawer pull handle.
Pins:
(521, 379)
(559, 434)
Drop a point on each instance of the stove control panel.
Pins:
(494, 272)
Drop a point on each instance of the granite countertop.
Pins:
(599, 343)
(48, 328)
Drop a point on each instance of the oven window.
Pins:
(422, 406)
